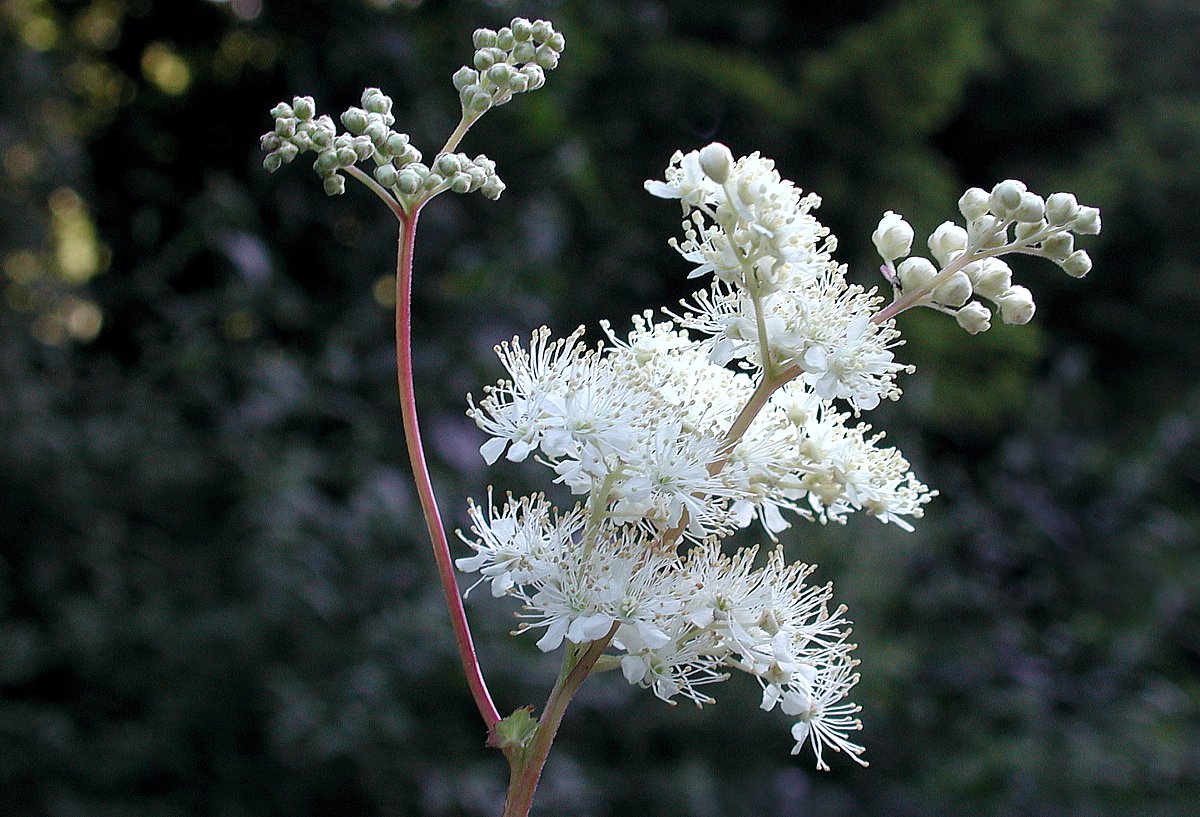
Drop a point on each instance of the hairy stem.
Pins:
(416, 456)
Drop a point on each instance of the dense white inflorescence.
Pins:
(697, 424)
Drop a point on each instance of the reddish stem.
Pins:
(416, 456)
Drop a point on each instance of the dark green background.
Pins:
(215, 595)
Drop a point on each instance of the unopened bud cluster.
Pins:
(968, 258)
(510, 61)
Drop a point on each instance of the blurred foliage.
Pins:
(214, 594)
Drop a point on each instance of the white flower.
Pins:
(893, 237)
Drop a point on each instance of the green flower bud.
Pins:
(557, 42)
(484, 38)
(409, 155)
(535, 75)
(463, 77)
(386, 175)
(377, 132)
(433, 180)
(376, 101)
(974, 317)
(396, 143)
(272, 162)
(335, 185)
(524, 52)
(484, 59)
(1057, 247)
(364, 148)
(286, 128)
(322, 138)
(973, 203)
(447, 164)
(1077, 264)
(460, 183)
(500, 73)
(408, 181)
(479, 102)
(505, 39)
(1087, 222)
(355, 120)
(542, 30)
(283, 111)
(346, 157)
(1061, 208)
(327, 162)
(519, 84)
(287, 151)
(522, 29)
(302, 141)
(492, 188)
(546, 57)
(270, 141)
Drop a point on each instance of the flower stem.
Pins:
(416, 456)
(527, 764)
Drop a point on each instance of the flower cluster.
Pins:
(968, 262)
(671, 449)
(510, 61)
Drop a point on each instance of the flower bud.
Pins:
(1061, 208)
(484, 38)
(954, 291)
(1016, 305)
(974, 317)
(716, 161)
(322, 138)
(386, 175)
(355, 120)
(327, 162)
(460, 183)
(1077, 264)
(914, 273)
(542, 30)
(272, 162)
(973, 203)
(505, 39)
(990, 278)
(983, 232)
(522, 29)
(946, 239)
(500, 73)
(535, 75)
(492, 188)
(409, 181)
(483, 59)
(1030, 209)
(283, 111)
(447, 164)
(409, 155)
(1057, 247)
(479, 102)
(376, 101)
(546, 57)
(396, 143)
(1087, 222)
(285, 128)
(288, 151)
(524, 52)
(557, 41)
(346, 156)
(1027, 229)
(335, 185)
(364, 148)
(519, 84)
(463, 77)
(1006, 197)
(270, 141)
(893, 237)
(304, 107)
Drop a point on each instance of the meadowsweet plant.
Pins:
(739, 408)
